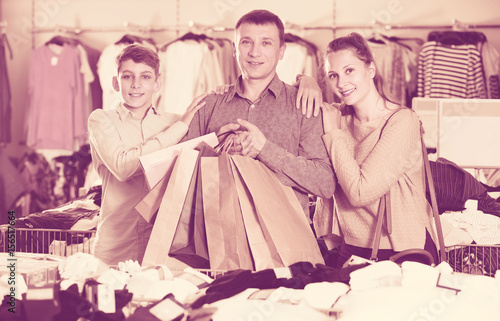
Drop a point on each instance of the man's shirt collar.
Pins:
(275, 87)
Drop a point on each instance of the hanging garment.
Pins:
(293, 63)
(388, 58)
(450, 71)
(12, 186)
(39, 178)
(5, 95)
(301, 57)
(491, 63)
(192, 65)
(57, 112)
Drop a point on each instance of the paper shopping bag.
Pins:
(263, 251)
(169, 212)
(157, 164)
(190, 243)
(226, 238)
(279, 212)
(235, 238)
(149, 205)
(213, 223)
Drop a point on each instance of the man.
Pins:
(262, 108)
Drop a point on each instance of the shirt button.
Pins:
(252, 106)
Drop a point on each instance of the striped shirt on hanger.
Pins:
(446, 72)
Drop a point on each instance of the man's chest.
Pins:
(276, 121)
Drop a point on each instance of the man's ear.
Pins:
(116, 85)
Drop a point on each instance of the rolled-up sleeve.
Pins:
(311, 171)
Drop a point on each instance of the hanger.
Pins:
(129, 39)
(460, 35)
(191, 36)
(56, 40)
(61, 40)
(377, 33)
(397, 39)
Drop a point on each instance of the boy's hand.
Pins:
(193, 108)
(220, 90)
(309, 96)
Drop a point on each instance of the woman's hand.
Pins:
(221, 90)
(309, 96)
(331, 116)
(193, 108)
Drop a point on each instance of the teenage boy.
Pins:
(262, 108)
(117, 139)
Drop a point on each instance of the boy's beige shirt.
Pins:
(117, 139)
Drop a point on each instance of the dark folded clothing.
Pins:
(302, 273)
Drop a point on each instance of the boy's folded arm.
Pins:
(123, 162)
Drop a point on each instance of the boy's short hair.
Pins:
(139, 54)
(262, 17)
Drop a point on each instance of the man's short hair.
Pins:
(262, 17)
(139, 54)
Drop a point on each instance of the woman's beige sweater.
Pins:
(369, 162)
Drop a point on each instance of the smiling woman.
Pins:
(376, 152)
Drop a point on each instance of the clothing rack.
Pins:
(455, 25)
(131, 27)
(200, 28)
(127, 27)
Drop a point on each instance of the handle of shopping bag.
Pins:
(423, 253)
(224, 141)
(384, 207)
(432, 191)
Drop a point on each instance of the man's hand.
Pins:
(252, 140)
(309, 96)
(331, 116)
(193, 108)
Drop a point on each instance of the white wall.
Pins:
(159, 13)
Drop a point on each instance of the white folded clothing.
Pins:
(323, 295)
(383, 273)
